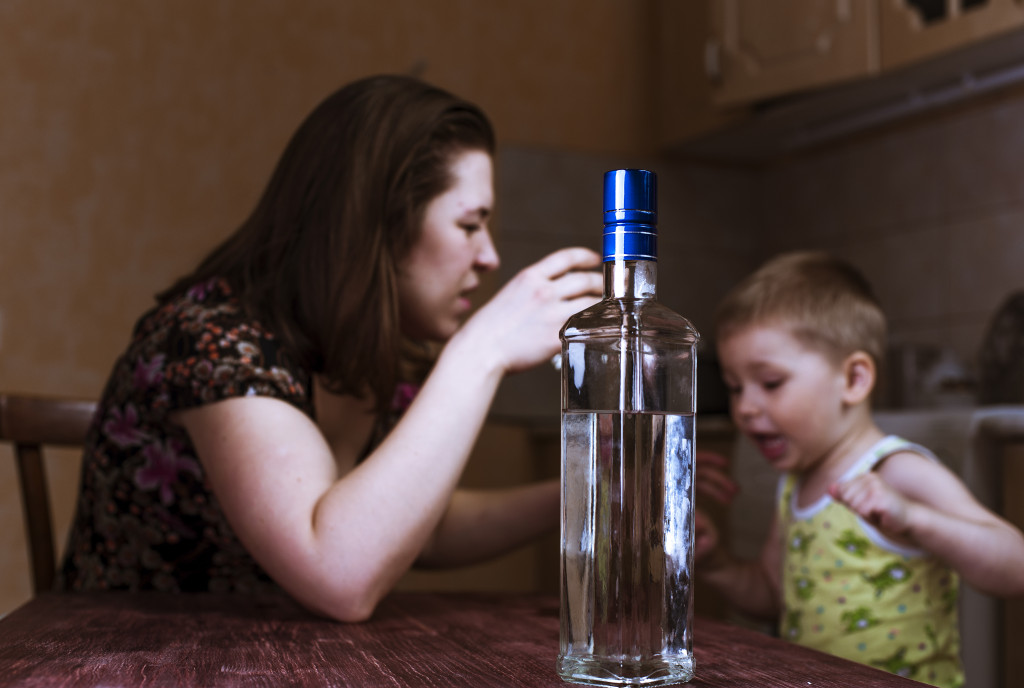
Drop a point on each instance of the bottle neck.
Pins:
(630, 279)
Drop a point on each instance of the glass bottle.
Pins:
(628, 402)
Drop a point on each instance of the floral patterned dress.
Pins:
(146, 517)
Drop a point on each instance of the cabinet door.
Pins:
(912, 30)
(686, 105)
(762, 49)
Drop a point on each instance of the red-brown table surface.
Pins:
(414, 639)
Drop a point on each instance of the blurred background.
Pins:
(136, 134)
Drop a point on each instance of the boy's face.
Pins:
(784, 396)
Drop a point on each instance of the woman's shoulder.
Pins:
(205, 305)
(205, 347)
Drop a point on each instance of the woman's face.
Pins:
(443, 267)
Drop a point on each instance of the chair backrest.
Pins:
(30, 423)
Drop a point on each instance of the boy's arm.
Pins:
(912, 498)
(751, 586)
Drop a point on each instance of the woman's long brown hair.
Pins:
(316, 260)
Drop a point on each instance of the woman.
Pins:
(251, 434)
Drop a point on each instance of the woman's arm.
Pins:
(480, 524)
(338, 537)
(913, 498)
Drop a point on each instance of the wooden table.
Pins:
(414, 639)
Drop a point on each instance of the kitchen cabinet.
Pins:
(763, 49)
(749, 79)
(686, 109)
(758, 50)
(911, 30)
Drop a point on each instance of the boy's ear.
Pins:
(859, 371)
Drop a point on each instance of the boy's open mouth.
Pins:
(772, 446)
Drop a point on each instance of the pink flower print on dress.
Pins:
(163, 464)
(404, 394)
(122, 426)
(149, 373)
(199, 291)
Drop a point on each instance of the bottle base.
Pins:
(606, 672)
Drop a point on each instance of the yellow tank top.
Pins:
(849, 591)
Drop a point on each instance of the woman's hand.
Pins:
(519, 326)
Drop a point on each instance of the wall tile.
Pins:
(707, 207)
(901, 180)
(909, 271)
(987, 255)
(979, 161)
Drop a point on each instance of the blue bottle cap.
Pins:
(630, 215)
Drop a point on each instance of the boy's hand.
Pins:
(705, 536)
(711, 473)
(712, 476)
(869, 497)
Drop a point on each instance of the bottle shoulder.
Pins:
(612, 318)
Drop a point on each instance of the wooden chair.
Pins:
(30, 423)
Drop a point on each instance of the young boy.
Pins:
(870, 532)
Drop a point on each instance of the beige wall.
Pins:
(134, 134)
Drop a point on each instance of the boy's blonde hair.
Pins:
(826, 303)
